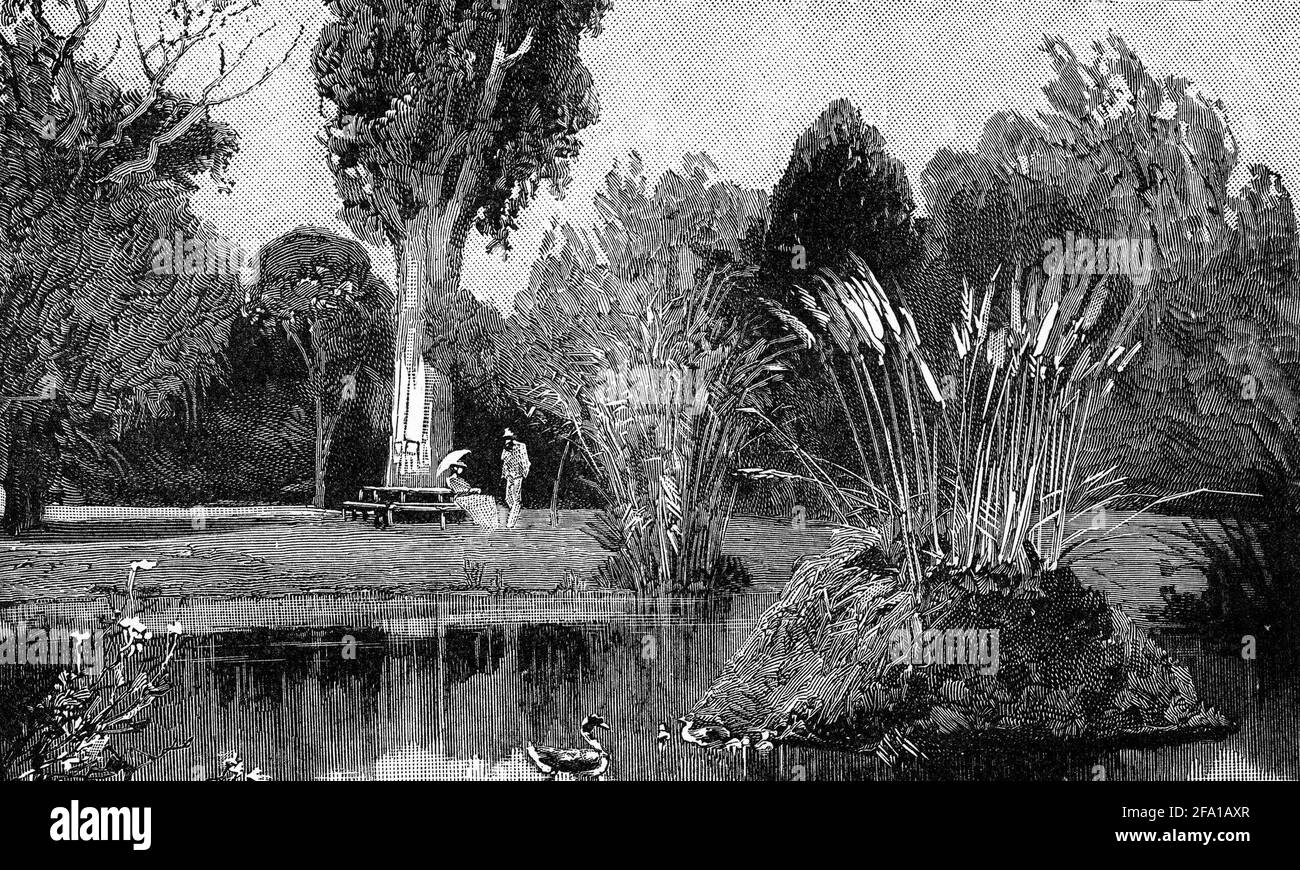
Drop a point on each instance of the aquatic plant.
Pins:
(971, 453)
(73, 731)
(475, 578)
(621, 338)
(959, 519)
(825, 664)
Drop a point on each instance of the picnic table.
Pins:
(387, 503)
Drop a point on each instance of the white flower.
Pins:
(136, 634)
(143, 565)
(175, 627)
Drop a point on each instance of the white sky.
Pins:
(740, 79)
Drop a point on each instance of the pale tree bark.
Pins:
(430, 256)
(429, 265)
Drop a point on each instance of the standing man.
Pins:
(514, 468)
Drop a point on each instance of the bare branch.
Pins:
(521, 50)
(141, 164)
(65, 69)
(501, 64)
(172, 51)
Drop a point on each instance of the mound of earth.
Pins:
(854, 657)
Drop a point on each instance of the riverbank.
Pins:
(269, 552)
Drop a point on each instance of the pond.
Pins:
(452, 686)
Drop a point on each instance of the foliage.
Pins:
(92, 175)
(841, 194)
(422, 97)
(449, 116)
(74, 731)
(1125, 155)
(619, 339)
(981, 471)
(315, 291)
(826, 664)
(977, 451)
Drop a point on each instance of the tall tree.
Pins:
(842, 195)
(92, 176)
(315, 291)
(449, 116)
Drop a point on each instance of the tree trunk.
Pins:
(5, 437)
(24, 482)
(428, 269)
(322, 456)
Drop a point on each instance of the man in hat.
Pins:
(514, 468)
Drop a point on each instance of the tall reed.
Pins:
(647, 380)
(971, 450)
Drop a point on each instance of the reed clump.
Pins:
(958, 521)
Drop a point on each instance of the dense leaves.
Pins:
(1125, 156)
(619, 340)
(99, 338)
(314, 290)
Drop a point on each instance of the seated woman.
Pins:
(481, 509)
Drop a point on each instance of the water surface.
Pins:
(452, 686)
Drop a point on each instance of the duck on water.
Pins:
(590, 763)
(712, 736)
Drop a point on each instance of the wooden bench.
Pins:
(389, 502)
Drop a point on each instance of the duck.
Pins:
(585, 763)
(736, 744)
(703, 735)
(661, 739)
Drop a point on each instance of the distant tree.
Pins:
(842, 195)
(92, 175)
(1125, 156)
(315, 291)
(447, 117)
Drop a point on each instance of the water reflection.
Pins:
(447, 695)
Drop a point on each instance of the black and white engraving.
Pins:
(576, 390)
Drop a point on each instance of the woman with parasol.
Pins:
(481, 509)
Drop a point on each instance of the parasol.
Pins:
(455, 457)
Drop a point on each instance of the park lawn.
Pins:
(274, 552)
(296, 552)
